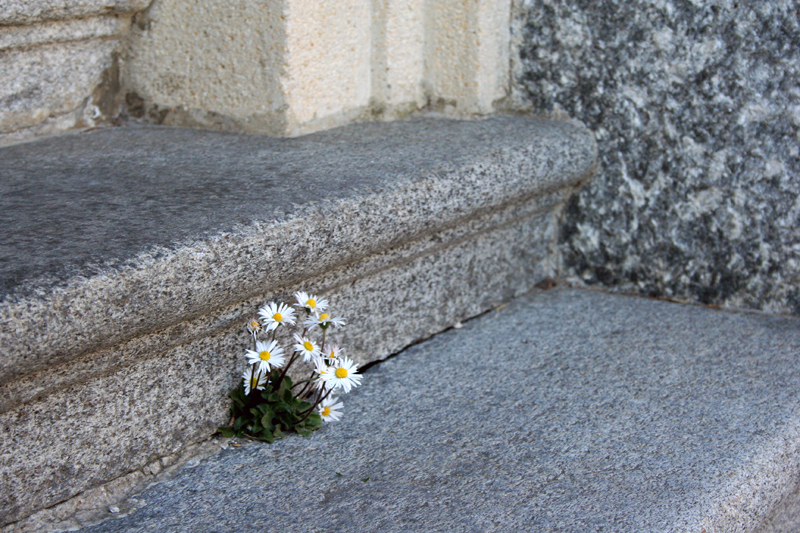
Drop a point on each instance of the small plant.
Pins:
(266, 405)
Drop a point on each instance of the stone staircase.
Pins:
(563, 410)
(132, 256)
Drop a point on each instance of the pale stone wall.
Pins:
(283, 67)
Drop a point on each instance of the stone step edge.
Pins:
(95, 364)
(115, 306)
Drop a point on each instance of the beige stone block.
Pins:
(328, 64)
(398, 55)
(466, 54)
(218, 57)
(493, 51)
(295, 66)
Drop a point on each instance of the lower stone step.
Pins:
(566, 410)
(132, 257)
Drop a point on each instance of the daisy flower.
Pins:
(274, 314)
(306, 347)
(320, 367)
(252, 381)
(254, 326)
(268, 355)
(343, 374)
(324, 320)
(332, 353)
(310, 302)
(329, 410)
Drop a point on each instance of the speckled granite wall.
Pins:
(696, 109)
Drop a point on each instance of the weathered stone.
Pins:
(20, 12)
(62, 31)
(220, 209)
(568, 410)
(168, 240)
(60, 75)
(290, 67)
(697, 115)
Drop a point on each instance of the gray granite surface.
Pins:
(406, 228)
(696, 110)
(116, 233)
(72, 204)
(566, 410)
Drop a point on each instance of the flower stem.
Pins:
(285, 368)
(309, 411)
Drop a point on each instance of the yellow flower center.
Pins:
(311, 303)
(341, 373)
(308, 346)
(255, 325)
(323, 317)
(326, 411)
(277, 318)
(265, 355)
(253, 383)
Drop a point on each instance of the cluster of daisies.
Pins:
(332, 370)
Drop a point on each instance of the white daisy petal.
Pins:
(267, 355)
(252, 381)
(332, 353)
(274, 314)
(305, 346)
(253, 326)
(310, 302)
(342, 375)
(330, 410)
(324, 320)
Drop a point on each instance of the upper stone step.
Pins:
(133, 257)
(113, 233)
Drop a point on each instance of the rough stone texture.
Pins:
(237, 216)
(289, 67)
(208, 64)
(157, 407)
(407, 227)
(20, 12)
(578, 411)
(398, 61)
(53, 80)
(466, 54)
(327, 72)
(62, 31)
(696, 109)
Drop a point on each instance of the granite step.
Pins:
(130, 258)
(566, 410)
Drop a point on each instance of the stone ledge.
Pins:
(92, 220)
(405, 227)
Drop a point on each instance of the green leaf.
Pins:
(266, 435)
(226, 431)
(266, 420)
(304, 431)
(314, 419)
